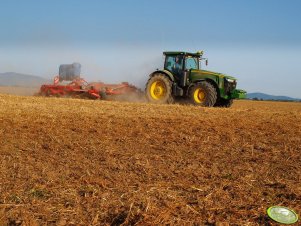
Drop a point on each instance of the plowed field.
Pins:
(83, 162)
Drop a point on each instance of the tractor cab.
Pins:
(181, 63)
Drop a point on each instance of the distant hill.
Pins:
(22, 80)
(264, 96)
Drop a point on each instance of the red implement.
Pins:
(79, 88)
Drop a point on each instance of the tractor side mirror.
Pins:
(206, 62)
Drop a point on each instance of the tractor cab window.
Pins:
(191, 63)
(174, 64)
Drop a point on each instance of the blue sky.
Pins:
(257, 41)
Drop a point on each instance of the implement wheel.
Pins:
(158, 89)
(203, 94)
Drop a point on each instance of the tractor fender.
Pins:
(165, 72)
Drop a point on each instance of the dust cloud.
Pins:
(111, 65)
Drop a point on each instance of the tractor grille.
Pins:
(229, 86)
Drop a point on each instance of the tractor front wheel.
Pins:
(158, 89)
(223, 103)
(203, 94)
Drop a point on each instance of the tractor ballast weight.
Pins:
(182, 77)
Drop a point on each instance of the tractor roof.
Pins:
(197, 54)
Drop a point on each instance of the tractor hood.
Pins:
(220, 75)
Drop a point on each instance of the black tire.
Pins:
(103, 95)
(203, 94)
(223, 103)
(159, 89)
(48, 93)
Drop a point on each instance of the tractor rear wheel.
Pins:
(158, 89)
(203, 94)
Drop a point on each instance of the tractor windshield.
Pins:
(192, 63)
(174, 63)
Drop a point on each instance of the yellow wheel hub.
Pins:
(158, 90)
(199, 95)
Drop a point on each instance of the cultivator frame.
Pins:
(80, 88)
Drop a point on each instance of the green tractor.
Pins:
(182, 77)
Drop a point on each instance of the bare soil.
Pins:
(85, 162)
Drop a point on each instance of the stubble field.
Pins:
(19, 90)
(83, 162)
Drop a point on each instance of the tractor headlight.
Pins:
(229, 85)
(230, 80)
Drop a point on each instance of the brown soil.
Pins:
(84, 162)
